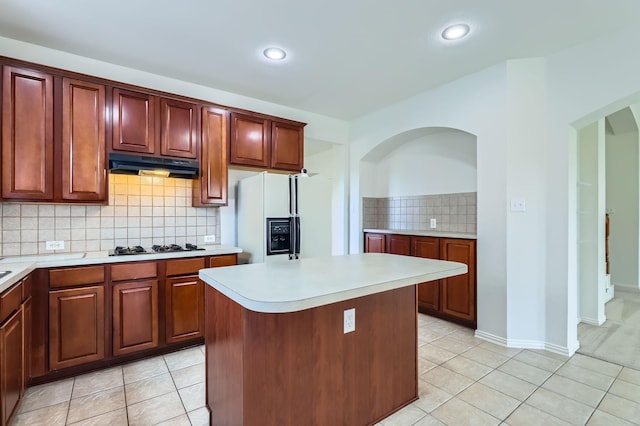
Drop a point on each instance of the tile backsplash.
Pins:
(141, 210)
(453, 212)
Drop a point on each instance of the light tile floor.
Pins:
(463, 380)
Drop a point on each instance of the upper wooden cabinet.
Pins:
(264, 142)
(179, 134)
(83, 141)
(147, 124)
(211, 186)
(134, 121)
(27, 135)
(30, 141)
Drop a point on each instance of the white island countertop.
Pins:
(291, 286)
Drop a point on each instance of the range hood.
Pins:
(153, 166)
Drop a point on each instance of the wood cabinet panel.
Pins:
(223, 260)
(184, 317)
(179, 123)
(83, 141)
(68, 277)
(428, 292)
(11, 383)
(27, 323)
(133, 115)
(135, 316)
(134, 271)
(399, 244)
(184, 266)
(211, 186)
(27, 134)
(287, 146)
(375, 243)
(76, 326)
(250, 142)
(458, 292)
(10, 301)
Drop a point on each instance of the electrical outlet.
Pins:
(349, 320)
(54, 245)
(518, 205)
(433, 223)
(209, 239)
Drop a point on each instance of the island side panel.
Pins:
(300, 368)
(224, 348)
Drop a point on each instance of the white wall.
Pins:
(622, 188)
(438, 163)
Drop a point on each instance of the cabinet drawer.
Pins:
(184, 266)
(27, 287)
(10, 301)
(76, 276)
(225, 260)
(134, 271)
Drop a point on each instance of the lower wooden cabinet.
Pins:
(76, 326)
(135, 316)
(11, 384)
(185, 308)
(452, 298)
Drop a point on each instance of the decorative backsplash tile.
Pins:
(141, 210)
(453, 212)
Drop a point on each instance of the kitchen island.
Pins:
(283, 349)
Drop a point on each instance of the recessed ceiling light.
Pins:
(274, 53)
(455, 32)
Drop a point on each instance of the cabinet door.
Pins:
(83, 141)
(133, 121)
(428, 292)
(27, 134)
(399, 244)
(135, 316)
(185, 308)
(179, 128)
(459, 292)
(76, 326)
(10, 365)
(211, 186)
(287, 146)
(374, 243)
(249, 144)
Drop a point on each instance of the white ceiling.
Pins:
(346, 57)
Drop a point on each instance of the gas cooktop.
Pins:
(171, 248)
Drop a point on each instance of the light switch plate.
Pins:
(518, 205)
(349, 320)
(209, 239)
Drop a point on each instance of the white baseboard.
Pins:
(593, 321)
(527, 344)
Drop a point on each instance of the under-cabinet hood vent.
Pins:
(153, 166)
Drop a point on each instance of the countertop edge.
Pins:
(284, 306)
(441, 234)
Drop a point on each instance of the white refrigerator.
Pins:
(267, 196)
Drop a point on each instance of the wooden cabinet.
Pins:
(27, 135)
(84, 171)
(429, 292)
(453, 298)
(260, 141)
(135, 313)
(146, 124)
(287, 146)
(11, 383)
(399, 244)
(374, 243)
(133, 117)
(458, 293)
(76, 316)
(76, 326)
(179, 134)
(210, 188)
(30, 141)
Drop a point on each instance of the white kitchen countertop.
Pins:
(21, 266)
(307, 283)
(442, 234)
